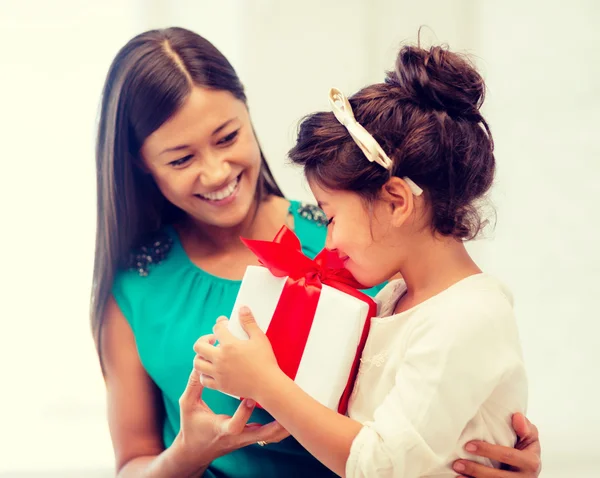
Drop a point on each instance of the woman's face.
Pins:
(205, 159)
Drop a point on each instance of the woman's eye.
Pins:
(181, 161)
(229, 138)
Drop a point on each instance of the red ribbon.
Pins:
(294, 314)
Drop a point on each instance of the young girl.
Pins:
(399, 171)
(180, 177)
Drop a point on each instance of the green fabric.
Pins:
(168, 310)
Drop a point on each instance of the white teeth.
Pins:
(222, 193)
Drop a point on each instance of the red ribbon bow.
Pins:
(293, 317)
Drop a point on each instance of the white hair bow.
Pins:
(365, 141)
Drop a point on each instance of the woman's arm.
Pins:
(522, 461)
(135, 416)
(134, 411)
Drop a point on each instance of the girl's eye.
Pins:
(229, 138)
(181, 161)
(329, 222)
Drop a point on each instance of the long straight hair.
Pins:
(148, 81)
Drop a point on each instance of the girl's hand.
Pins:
(235, 366)
(523, 461)
(205, 435)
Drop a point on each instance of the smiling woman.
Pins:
(214, 163)
(181, 177)
(150, 155)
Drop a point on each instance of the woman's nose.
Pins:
(214, 172)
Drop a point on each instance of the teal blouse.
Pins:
(169, 303)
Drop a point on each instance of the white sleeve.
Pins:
(451, 366)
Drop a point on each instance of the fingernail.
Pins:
(459, 467)
(250, 403)
(244, 310)
(470, 447)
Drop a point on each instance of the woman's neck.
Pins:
(262, 222)
(435, 264)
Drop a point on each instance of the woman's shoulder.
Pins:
(140, 273)
(309, 213)
(310, 225)
(152, 251)
(149, 263)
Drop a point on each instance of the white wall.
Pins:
(543, 65)
(540, 59)
(54, 59)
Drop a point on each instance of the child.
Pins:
(399, 171)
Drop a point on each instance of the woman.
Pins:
(180, 176)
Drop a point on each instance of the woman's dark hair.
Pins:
(426, 118)
(148, 81)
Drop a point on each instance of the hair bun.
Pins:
(439, 79)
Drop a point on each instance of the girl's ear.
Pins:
(400, 199)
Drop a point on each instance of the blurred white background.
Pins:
(541, 60)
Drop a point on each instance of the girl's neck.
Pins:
(435, 264)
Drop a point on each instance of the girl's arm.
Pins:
(416, 426)
(326, 434)
(297, 412)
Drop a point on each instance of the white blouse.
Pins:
(434, 377)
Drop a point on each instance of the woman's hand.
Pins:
(523, 461)
(235, 366)
(205, 435)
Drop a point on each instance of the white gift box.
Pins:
(329, 353)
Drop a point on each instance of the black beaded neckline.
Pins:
(156, 249)
(312, 213)
(152, 253)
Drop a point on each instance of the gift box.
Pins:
(312, 312)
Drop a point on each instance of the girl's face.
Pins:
(363, 235)
(205, 159)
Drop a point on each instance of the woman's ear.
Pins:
(400, 199)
